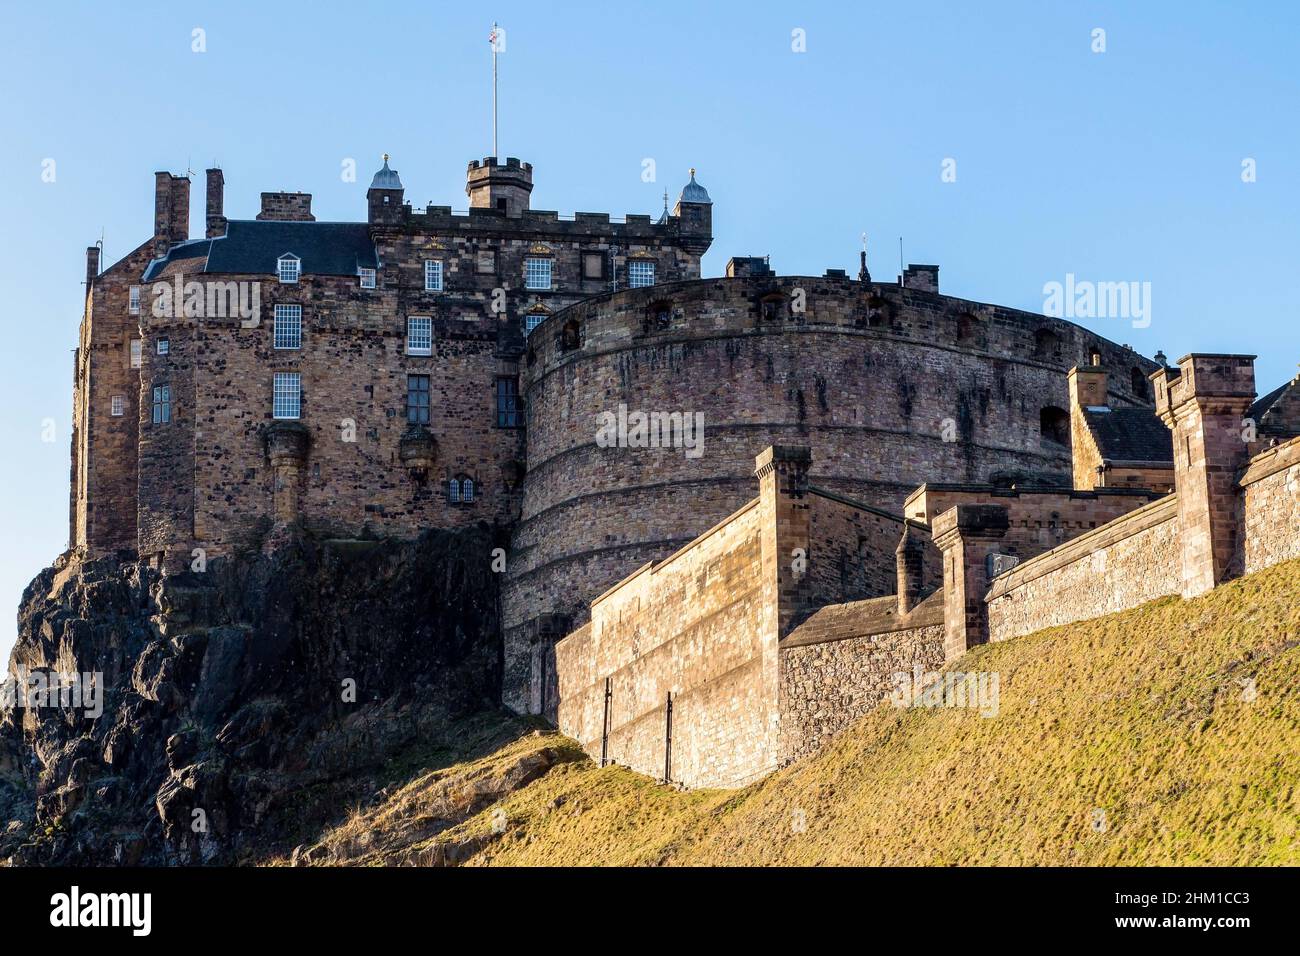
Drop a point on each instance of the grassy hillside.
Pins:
(1133, 739)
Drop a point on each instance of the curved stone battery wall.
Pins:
(892, 387)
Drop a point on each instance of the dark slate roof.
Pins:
(1130, 434)
(252, 247)
(1264, 404)
(1278, 412)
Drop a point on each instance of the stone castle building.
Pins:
(431, 368)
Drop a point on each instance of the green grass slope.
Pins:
(1169, 734)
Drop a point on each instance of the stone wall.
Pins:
(204, 477)
(1271, 506)
(695, 627)
(851, 552)
(1127, 562)
(842, 662)
(102, 498)
(875, 377)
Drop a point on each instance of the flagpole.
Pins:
(494, 90)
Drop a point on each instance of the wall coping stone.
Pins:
(1271, 461)
(871, 617)
(1148, 516)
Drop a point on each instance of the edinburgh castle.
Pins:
(883, 475)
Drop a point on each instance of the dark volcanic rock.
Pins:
(236, 703)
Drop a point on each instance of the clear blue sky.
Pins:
(1122, 165)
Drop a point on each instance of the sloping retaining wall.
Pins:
(1124, 563)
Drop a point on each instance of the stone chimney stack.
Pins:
(1204, 403)
(171, 211)
(286, 207)
(921, 277)
(216, 198)
(1088, 386)
(92, 266)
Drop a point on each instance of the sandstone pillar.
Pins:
(782, 472)
(1204, 403)
(966, 535)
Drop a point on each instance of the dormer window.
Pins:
(289, 267)
(367, 277)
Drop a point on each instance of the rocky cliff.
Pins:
(233, 712)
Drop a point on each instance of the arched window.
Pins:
(772, 307)
(1054, 425)
(1047, 345)
(460, 490)
(1139, 380)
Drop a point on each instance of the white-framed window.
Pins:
(134, 300)
(286, 395)
(137, 353)
(117, 406)
(419, 335)
(467, 489)
(532, 320)
(289, 268)
(162, 404)
(367, 278)
(164, 346)
(432, 275)
(287, 330)
(640, 272)
(453, 490)
(537, 273)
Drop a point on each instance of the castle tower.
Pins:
(694, 212)
(384, 197)
(504, 188)
(1203, 403)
